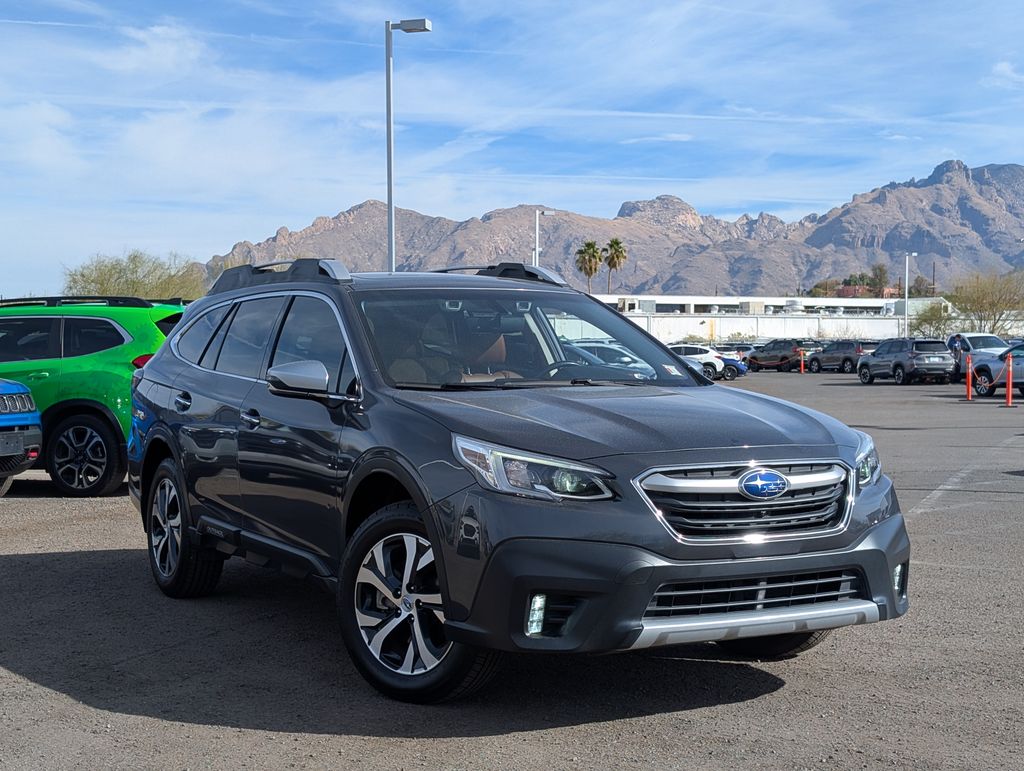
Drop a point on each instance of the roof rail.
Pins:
(305, 269)
(111, 301)
(511, 270)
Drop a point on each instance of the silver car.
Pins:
(907, 359)
(990, 370)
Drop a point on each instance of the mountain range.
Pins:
(959, 219)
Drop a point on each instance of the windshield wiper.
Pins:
(586, 381)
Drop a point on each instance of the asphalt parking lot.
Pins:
(98, 669)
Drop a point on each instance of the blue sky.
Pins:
(188, 126)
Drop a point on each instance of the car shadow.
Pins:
(41, 487)
(264, 653)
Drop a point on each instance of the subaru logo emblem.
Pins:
(762, 484)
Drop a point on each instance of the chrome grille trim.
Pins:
(683, 499)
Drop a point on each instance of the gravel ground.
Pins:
(98, 669)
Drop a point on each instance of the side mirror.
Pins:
(298, 378)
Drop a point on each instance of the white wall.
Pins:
(670, 327)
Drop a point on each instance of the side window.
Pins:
(85, 335)
(193, 341)
(311, 333)
(29, 338)
(882, 349)
(248, 335)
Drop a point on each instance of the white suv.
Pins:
(710, 361)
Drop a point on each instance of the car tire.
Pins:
(983, 383)
(709, 372)
(5, 485)
(84, 457)
(1021, 390)
(753, 365)
(899, 376)
(865, 376)
(847, 366)
(180, 568)
(778, 646)
(729, 372)
(378, 558)
(785, 365)
(815, 366)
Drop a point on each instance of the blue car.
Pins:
(733, 368)
(21, 434)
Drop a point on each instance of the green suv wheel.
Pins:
(83, 457)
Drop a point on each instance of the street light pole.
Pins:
(537, 214)
(406, 25)
(906, 292)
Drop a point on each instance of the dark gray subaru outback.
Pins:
(433, 449)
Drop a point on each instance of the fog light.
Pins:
(535, 621)
(897, 581)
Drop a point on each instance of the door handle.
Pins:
(38, 376)
(183, 401)
(251, 418)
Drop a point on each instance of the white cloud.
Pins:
(669, 137)
(1005, 75)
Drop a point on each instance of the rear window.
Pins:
(168, 323)
(83, 336)
(931, 346)
(194, 340)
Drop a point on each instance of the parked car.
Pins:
(841, 355)
(990, 370)
(907, 360)
(418, 444)
(973, 344)
(710, 361)
(21, 436)
(742, 350)
(782, 354)
(615, 356)
(77, 354)
(733, 368)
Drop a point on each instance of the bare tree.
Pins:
(991, 303)
(137, 274)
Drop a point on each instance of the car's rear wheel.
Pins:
(729, 372)
(815, 366)
(865, 376)
(899, 375)
(775, 647)
(180, 568)
(392, 613)
(83, 457)
(983, 385)
(710, 372)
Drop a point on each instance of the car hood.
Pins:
(594, 421)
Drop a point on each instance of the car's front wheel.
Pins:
(983, 385)
(392, 614)
(778, 646)
(753, 365)
(83, 457)
(180, 568)
(865, 376)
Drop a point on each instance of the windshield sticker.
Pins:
(671, 369)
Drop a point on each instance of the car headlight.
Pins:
(869, 467)
(535, 476)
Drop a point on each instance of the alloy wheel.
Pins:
(80, 457)
(165, 527)
(398, 605)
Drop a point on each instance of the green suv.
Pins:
(77, 354)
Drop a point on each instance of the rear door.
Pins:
(877, 363)
(227, 349)
(288, 447)
(30, 354)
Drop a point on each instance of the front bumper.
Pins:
(31, 443)
(603, 591)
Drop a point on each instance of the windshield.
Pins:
(491, 338)
(986, 341)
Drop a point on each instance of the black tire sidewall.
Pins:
(427, 687)
(112, 475)
(865, 376)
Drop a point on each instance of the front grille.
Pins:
(698, 598)
(706, 502)
(14, 403)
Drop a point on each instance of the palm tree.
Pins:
(588, 261)
(614, 257)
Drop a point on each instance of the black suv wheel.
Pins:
(392, 615)
(83, 457)
(847, 366)
(815, 366)
(865, 376)
(180, 568)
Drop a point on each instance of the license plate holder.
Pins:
(11, 444)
